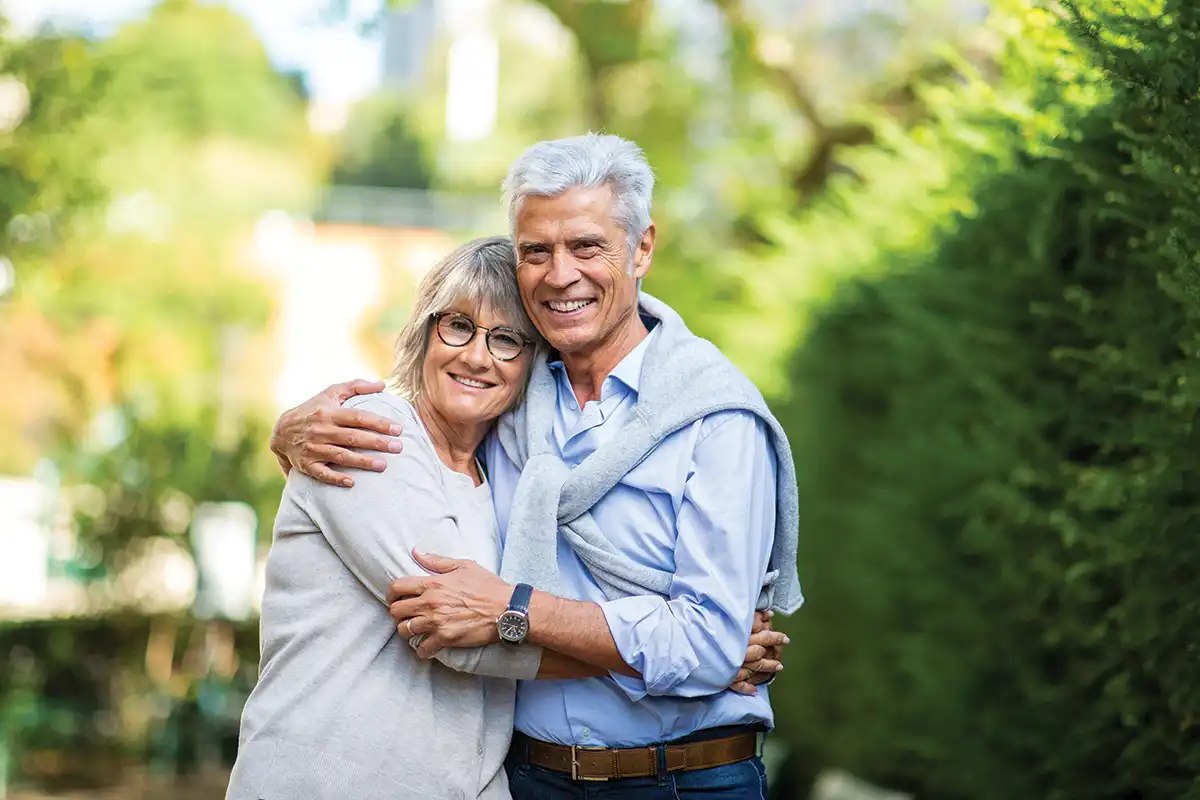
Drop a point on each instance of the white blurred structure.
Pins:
(26, 508)
(838, 785)
(223, 539)
(473, 60)
(407, 34)
(325, 289)
(40, 556)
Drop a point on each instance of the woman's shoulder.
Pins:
(385, 404)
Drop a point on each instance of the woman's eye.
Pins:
(461, 325)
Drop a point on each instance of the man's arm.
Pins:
(694, 642)
(690, 644)
(319, 433)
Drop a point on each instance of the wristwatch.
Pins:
(513, 624)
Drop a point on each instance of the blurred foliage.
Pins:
(128, 192)
(80, 704)
(380, 148)
(994, 422)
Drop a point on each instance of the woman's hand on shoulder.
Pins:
(319, 433)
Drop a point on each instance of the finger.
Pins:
(315, 469)
(328, 454)
(409, 608)
(365, 421)
(402, 588)
(755, 652)
(761, 622)
(436, 563)
(744, 687)
(404, 628)
(770, 638)
(767, 665)
(430, 647)
(759, 678)
(331, 433)
(420, 626)
(743, 674)
(344, 391)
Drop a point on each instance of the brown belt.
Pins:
(604, 763)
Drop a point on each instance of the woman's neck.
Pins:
(454, 444)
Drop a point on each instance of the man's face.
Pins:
(573, 268)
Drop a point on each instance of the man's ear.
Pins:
(644, 253)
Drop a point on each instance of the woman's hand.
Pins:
(764, 655)
(319, 432)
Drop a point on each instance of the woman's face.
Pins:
(467, 384)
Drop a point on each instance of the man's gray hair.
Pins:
(549, 168)
(483, 273)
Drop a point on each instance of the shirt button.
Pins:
(586, 733)
(479, 749)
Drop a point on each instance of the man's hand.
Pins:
(456, 606)
(764, 655)
(318, 432)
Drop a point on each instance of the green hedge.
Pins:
(999, 460)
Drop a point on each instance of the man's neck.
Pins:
(587, 370)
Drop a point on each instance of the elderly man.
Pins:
(645, 496)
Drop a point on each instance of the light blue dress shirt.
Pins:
(702, 506)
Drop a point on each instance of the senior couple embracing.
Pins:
(543, 561)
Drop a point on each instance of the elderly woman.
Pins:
(343, 707)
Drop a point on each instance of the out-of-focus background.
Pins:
(955, 243)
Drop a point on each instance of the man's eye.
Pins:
(536, 256)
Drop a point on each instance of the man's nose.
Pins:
(562, 270)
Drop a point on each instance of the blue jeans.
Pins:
(745, 780)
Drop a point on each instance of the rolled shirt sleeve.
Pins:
(692, 643)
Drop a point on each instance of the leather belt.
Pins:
(611, 763)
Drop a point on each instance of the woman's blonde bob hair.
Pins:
(482, 273)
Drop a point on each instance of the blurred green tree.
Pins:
(993, 417)
(133, 182)
(380, 148)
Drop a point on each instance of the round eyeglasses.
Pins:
(457, 330)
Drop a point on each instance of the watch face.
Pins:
(513, 626)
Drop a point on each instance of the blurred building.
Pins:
(472, 54)
(408, 34)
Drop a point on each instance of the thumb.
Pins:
(344, 391)
(435, 563)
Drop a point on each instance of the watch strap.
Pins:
(520, 598)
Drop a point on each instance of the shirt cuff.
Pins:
(650, 640)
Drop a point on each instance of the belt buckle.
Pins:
(575, 776)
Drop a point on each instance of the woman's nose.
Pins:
(476, 352)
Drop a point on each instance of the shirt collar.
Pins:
(629, 371)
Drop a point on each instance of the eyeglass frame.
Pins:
(437, 319)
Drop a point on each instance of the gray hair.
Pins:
(482, 272)
(548, 169)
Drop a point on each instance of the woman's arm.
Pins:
(374, 526)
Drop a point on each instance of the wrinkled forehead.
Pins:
(580, 211)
